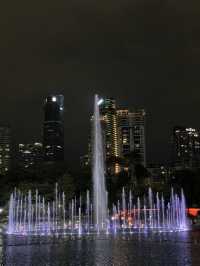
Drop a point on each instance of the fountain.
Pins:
(32, 214)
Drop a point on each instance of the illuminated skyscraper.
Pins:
(186, 146)
(53, 130)
(5, 149)
(109, 125)
(123, 135)
(132, 133)
(110, 134)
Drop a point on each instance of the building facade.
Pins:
(53, 129)
(123, 133)
(30, 154)
(108, 112)
(186, 147)
(5, 149)
(131, 126)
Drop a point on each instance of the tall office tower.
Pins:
(30, 154)
(186, 147)
(5, 149)
(53, 131)
(110, 134)
(132, 133)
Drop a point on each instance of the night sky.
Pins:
(144, 53)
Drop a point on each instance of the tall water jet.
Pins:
(98, 171)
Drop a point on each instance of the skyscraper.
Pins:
(132, 133)
(5, 149)
(186, 147)
(53, 130)
(110, 134)
(123, 135)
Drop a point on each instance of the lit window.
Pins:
(21, 145)
(38, 144)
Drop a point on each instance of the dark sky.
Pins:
(144, 53)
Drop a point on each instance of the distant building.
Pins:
(108, 113)
(131, 126)
(123, 133)
(5, 149)
(53, 130)
(186, 147)
(110, 138)
(159, 174)
(30, 154)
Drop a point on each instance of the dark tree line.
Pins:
(44, 176)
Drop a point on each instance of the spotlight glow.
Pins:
(100, 101)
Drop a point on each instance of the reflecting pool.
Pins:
(180, 248)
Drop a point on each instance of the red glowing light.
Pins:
(193, 211)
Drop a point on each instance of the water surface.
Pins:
(168, 249)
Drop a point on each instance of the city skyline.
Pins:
(25, 136)
(142, 53)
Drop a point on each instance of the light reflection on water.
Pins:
(139, 249)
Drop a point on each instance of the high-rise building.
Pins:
(5, 149)
(131, 126)
(123, 134)
(124, 131)
(53, 130)
(30, 154)
(186, 147)
(110, 134)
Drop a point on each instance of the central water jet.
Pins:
(98, 170)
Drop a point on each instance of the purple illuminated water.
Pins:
(31, 214)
